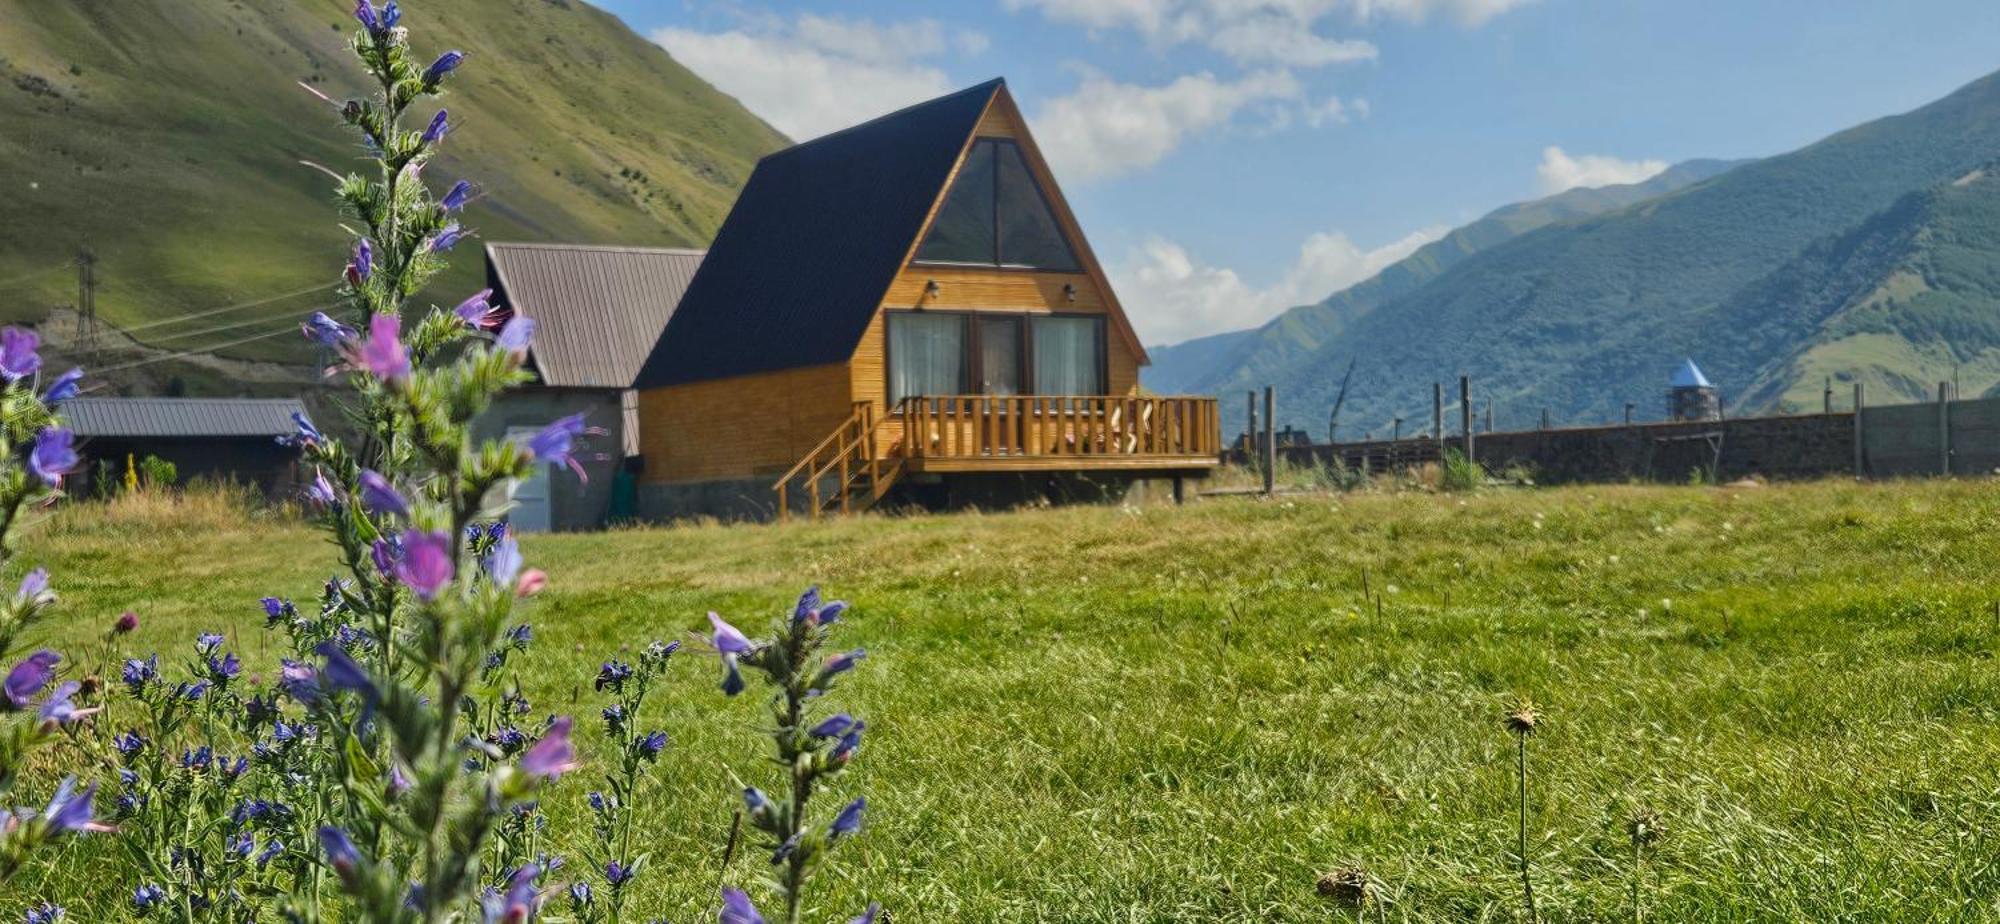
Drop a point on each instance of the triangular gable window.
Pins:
(997, 215)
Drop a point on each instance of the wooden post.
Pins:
(1437, 413)
(1944, 427)
(1829, 394)
(1489, 415)
(1180, 490)
(1270, 441)
(1545, 418)
(1250, 452)
(1465, 411)
(1628, 413)
(1860, 438)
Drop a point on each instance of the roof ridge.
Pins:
(988, 86)
(608, 248)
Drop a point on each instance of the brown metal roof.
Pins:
(180, 417)
(598, 310)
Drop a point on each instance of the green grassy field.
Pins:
(1190, 714)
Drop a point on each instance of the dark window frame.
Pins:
(999, 254)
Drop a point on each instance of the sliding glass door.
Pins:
(941, 353)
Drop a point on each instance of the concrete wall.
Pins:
(1909, 440)
(573, 503)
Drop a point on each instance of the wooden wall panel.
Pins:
(740, 427)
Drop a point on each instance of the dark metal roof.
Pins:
(598, 310)
(810, 248)
(180, 417)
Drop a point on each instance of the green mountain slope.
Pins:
(168, 135)
(1239, 359)
(1584, 316)
(1906, 300)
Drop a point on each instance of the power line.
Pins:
(22, 280)
(220, 328)
(203, 352)
(226, 309)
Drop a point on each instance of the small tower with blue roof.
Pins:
(1690, 395)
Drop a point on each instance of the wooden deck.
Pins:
(971, 434)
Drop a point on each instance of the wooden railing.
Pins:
(1041, 426)
(852, 452)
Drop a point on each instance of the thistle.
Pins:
(1645, 829)
(794, 663)
(1521, 721)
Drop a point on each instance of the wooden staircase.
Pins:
(849, 457)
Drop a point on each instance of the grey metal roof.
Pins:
(598, 310)
(1688, 376)
(177, 417)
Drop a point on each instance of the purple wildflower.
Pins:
(340, 851)
(518, 902)
(456, 198)
(447, 238)
(33, 585)
(503, 561)
(66, 386)
(425, 565)
(650, 746)
(556, 443)
(729, 642)
(868, 916)
(138, 674)
(617, 874)
(18, 358)
(445, 64)
(435, 131)
(849, 820)
(69, 812)
(833, 726)
(44, 913)
(612, 676)
(478, 311)
(517, 335)
(380, 497)
(383, 354)
(364, 12)
(54, 455)
(28, 678)
(127, 622)
(326, 331)
(343, 674)
(298, 680)
(736, 909)
(60, 708)
(837, 665)
(391, 15)
(129, 744)
(362, 264)
(304, 434)
(145, 897)
(552, 756)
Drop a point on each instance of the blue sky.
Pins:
(1230, 158)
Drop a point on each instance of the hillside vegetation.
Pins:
(1189, 715)
(1859, 257)
(168, 135)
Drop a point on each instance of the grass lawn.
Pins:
(1190, 714)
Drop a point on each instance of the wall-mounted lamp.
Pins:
(1069, 292)
(931, 289)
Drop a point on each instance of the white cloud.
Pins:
(818, 74)
(1258, 32)
(1173, 296)
(1559, 171)
(1107, 128)
(1465, 12)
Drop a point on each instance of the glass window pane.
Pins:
(963, 232)
(1029, 235)
(1069, 356)
(926, 355)
(1000, 356)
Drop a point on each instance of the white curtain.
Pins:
(1068, 356)
(926, 355)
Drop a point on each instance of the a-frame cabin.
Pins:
(906, 303)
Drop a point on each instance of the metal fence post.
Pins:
(1270, 441)
(1860, 437)
(1465, 411)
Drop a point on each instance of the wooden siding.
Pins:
(740, 427)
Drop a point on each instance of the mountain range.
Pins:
(166, 136)
(1870, 256)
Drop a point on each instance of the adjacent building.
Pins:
(220, 439)
(598, 312)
